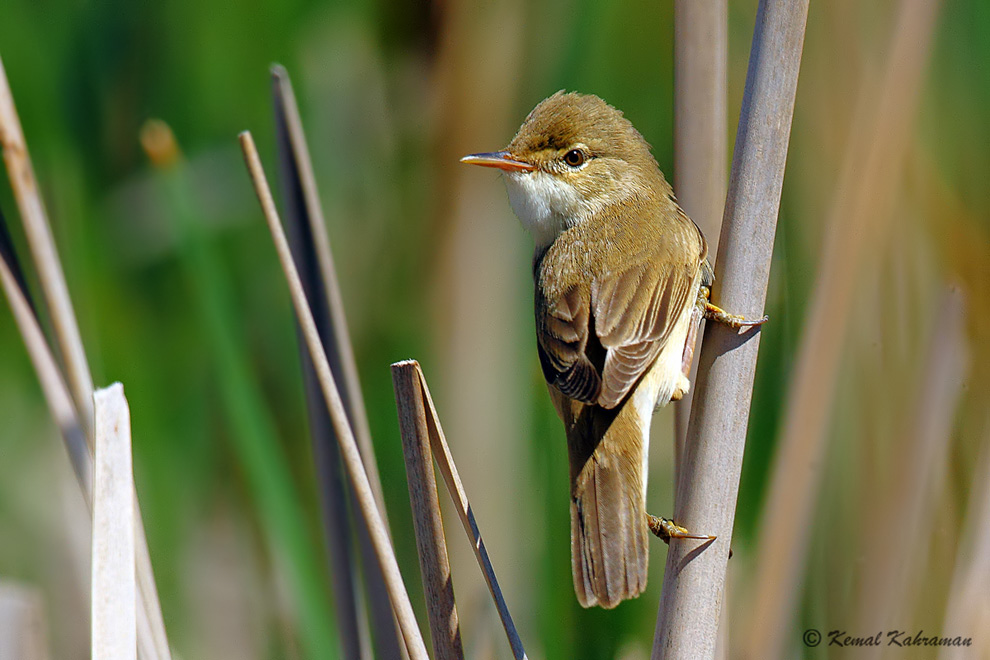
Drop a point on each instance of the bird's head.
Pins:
(573, 155)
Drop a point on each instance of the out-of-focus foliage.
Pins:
(391, 94)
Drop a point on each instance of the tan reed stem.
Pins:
(152, 640)
(700, 140)
(694, 579)
(427, 520)
(445, 461)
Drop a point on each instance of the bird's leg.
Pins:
(719, 315)
(687, 355)
(697, 312)
(667, 529)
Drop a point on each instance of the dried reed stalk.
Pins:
(22, 623)
(688, 619)
(255, 440)
(445, 461)
(53, 387)
(700, 142)
(114, 589)
(152, 640)
(42, 245)
(428, 523)
(345, 436)
(857, 224)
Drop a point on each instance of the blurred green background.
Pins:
(180, 297)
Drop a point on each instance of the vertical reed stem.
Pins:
(694, 580)
(700, 143)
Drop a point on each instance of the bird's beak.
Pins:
(503, 160)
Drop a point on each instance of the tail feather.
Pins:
(609, 535)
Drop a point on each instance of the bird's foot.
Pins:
(665, 530)
(719, 315)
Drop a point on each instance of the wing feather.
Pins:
(599, 335)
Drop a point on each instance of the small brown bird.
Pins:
(621, 277)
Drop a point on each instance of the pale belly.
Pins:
(661, 382)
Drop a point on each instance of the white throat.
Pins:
(544, 204)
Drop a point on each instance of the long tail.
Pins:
(609, 535)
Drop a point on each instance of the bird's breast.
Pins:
(545, 204)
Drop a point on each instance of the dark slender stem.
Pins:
(333, 485)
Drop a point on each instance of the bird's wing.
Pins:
(595, 342)
(562, 339)
(635, 311)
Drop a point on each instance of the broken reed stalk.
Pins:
(445, 461)
(427, 521)
(114, 590)
(22, 623)
(152, 640)
(857, 224)
(694, 579)
(700, 140)
(345, 436)
(150, 637)
(42, 245)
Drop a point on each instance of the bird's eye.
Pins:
(574, 158)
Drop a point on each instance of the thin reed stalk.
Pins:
(445, 461)
(42, 245)
(338, 340)
(857, 224)
(352, 458)
(700, 143)
(53, 387)
(694, 580)
(427, 520)
(254, 436)
(152, 643)
(114, 588)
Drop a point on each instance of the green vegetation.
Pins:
(180, 297)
